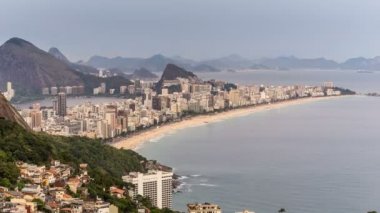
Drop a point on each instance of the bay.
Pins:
(320, 156)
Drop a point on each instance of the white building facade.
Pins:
(157, 185)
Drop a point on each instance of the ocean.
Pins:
(321, 156)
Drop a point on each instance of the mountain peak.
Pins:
(58, 54)
(30, 68)
(158, 56)
(18, 42)
(172, 72)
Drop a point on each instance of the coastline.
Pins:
(135, 141)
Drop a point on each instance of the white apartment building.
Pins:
(157, 185)
(10, 93)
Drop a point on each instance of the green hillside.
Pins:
(106, 164)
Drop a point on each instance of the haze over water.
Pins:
(317, 157)
(360, 82)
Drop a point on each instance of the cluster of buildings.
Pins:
(151, 107)
(10, 92)
(60, 189)
(133, 89)
(69, 90)
(55, 187)
(207, 208)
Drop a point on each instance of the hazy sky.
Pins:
(198, 29)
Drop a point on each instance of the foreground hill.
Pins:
(9, 113)
(106, 164)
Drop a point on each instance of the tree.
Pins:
(40, 204)
(5, 182)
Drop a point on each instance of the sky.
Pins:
(197, 29)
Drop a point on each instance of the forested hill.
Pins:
(106, 165)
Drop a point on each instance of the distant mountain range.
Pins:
(138, 74)
(75, 66)
(30, 69)
(362, 63)
(142, 74)
(157, 63)
(297, 63)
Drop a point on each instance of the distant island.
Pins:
(373, 94)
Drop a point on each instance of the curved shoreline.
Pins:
(135, 141)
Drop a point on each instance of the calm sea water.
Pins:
(317, 157)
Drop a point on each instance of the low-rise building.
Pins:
(203, 208)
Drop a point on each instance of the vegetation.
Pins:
(345, 91)
(106, 164)
(230, 86)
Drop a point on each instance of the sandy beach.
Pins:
(135, 141)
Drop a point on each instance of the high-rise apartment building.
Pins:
(36, 119)
(157, 185)
(10, 93)
(61, 104)
(110, 117)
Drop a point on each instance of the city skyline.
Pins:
(202, 106)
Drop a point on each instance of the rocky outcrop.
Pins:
(8, 112)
